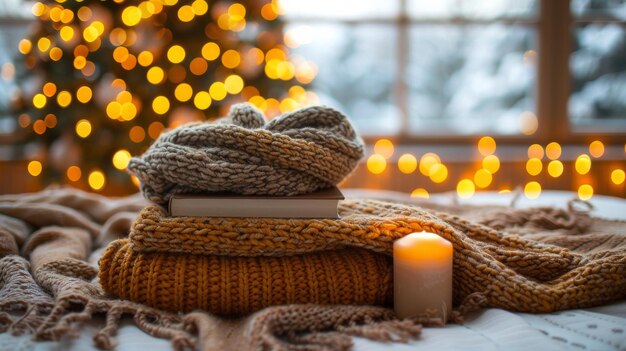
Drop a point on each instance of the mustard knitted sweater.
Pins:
(232, 266)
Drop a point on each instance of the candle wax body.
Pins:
(422, 275)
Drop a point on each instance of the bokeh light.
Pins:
(596, 148)
(555, 168)
(583, 164)
(96, 180)
(465, 188)
(407, 163)
(384, 147)
(486, 146)
(585, 192)
(420, 193)
(618, 176)
(376, 164)
(34, 168)
(532, 190)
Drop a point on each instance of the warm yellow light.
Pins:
(145, 58)
(486, 145)
(376, 164)
(80, 62)
(427, 161)
(210, 51)
(217, 91)
(39, 127)
(465, 189)
(438, 173)
(83, 128)
(67, 16)
(73, 173)
(384, 147)
(555, 168)
(84, 13)
(553, 150)
(114, 110)
(131, 16)
(155, 75)
(128, 111)
(176, 54)
(200, 7)
(186, 13)
(121, 159)
(202, 100)
(407, 163)
(160, 104)
(535, 151)
(43, 44)
(482, 178)
(96, 180)
(585, 192)
(198, 66)
(66, 33)
(618, 176)
(596, 148)
(583, 164)
(120, 54)
(288, 105)
(137, 134)
(183, 92)
(84, 94)
(118, 36)
(25, 46)
(233, 84)
(64, 98)
(491, 163)
(236, 10)
(124, 96)
(532, 190)
(55, 54)
(420, 193)
(155, 129)
(49, 89)
(534, 166)
(34, 168)
(39, 100)
(90, 34)
(231, 59)
(268, 13)
(23, 120)
(39, 9)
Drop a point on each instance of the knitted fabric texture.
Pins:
(300, 152)
(51, 241)
(507, 270)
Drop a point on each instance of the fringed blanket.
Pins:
(534, 260)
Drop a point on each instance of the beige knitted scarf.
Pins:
(50, 243)
(296, 153)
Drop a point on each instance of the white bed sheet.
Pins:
(600, 328)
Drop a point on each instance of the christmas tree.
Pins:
(101, 80)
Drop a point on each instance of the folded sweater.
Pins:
(234, 266)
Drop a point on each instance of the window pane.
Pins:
(473, 9)
(342, 9)
(598, 67)
(615, 9)
(356, 70)
(471, 79)
(10, 35)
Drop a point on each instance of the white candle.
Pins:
(422, 275)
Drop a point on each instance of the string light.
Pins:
(618, 176)
(465, 188)
(486, 146)
(534, 166)
(384, 147)
(427, 161)
(491, 163)
(376, 164)
(420, 193)
(596, 149)
(96, 180)
(73, 173)
(532, 190)
(585, 192)
(407, 163)
(438, 173)
(482, 178)
(555, 168)
(535, 151)
(34, 168)
(553, 150)
(583, 164)
(120, 159)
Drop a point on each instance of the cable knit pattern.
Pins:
(300, 152)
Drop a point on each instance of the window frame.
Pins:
(554, 23)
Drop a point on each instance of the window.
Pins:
(420, 70)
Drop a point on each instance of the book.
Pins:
(320, 204)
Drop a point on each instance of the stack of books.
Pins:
(320, 204)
